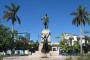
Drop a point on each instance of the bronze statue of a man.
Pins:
(46, 21)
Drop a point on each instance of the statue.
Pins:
(45, 48)
(46, 21)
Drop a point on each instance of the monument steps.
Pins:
(54, 53)
(40, 54)
(36, 54)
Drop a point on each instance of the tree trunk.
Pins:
(12, 28)
(13, 38)
(13, 32)
(81, 52)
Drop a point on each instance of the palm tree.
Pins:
(81, 18)
(10, 14)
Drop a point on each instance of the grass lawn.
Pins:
(86, 57)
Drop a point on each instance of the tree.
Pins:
(57, 36)
(71, 38)
(76, 46)
(36, 45)
(11, 14)
(5, 38)
(86, 45)
(64, 45)
(81, 18)
(21, 43)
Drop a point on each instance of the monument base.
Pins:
(39, 54)
(45, 55)
(45, 38)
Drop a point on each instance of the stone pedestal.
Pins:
(47, 33)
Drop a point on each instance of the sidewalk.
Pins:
(36, 58)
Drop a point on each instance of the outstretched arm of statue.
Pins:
(42, 37)
(43, 18)
(48, 35)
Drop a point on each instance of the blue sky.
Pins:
(31, 12)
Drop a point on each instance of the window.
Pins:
(54, 49)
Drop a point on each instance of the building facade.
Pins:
(73, 38)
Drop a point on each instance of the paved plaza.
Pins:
(37, 58)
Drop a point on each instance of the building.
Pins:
(73, 38)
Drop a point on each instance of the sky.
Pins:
(32, 11)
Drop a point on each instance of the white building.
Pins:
(74, 38)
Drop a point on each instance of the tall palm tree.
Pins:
(11, 14)
(81, 18)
